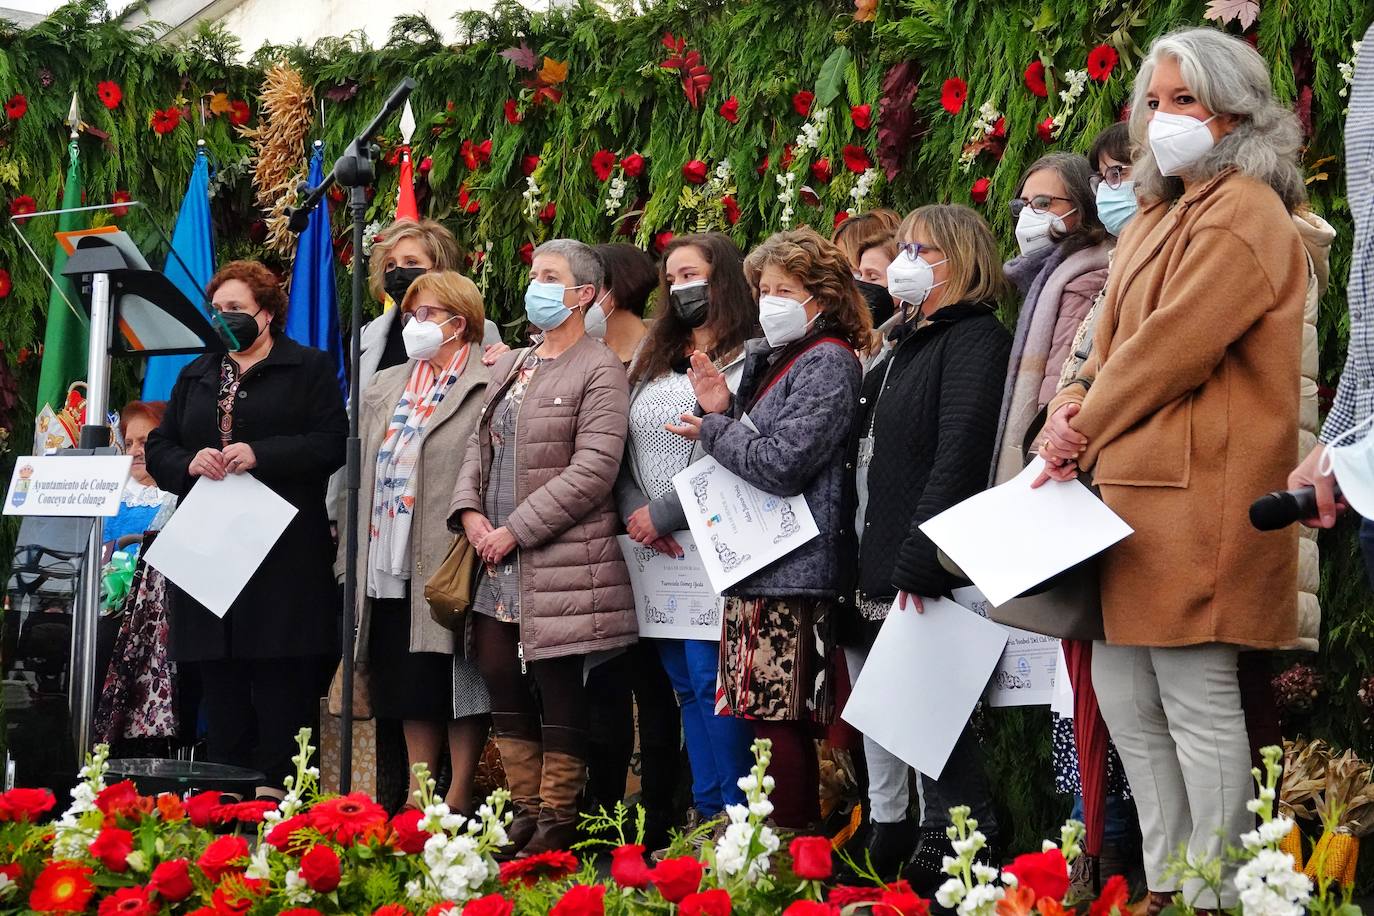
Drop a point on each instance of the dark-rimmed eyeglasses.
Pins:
(426, 313)
(1040, 203)
(1111, 176)
(913, 249)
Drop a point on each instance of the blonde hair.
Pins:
(824, 271)
(874, 229)
(454, 292)
(975, 266)
(434, 237)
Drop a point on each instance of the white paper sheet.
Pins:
(740, 528)
(1062, 702)
(1011, 538)
(673, 596)
(218, 537)
(922, 679)
(1025, 674)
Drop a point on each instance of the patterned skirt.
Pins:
(138, 697)
(772, 660)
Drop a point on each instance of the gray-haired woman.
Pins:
(1188, 409)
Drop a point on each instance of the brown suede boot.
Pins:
(523, 761)
(564, 777)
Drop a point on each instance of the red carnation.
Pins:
(953, 94)
(1046, 130)
(513, 112)
(840, 217)
(529, 164)
(1045, 873)
(1113, 899)
(628, 868)
(112, 847)
(24, 804)
(603, 163)
(715, 902)
(393, 909)
(120, 197)
(903, 902)
(661, 241)
(16, 106)
(166, 120)
(862, 116)
(581, 900)
(632, 165)
(731, 208)
(249, 812)
(23, 205)
(406, 834)
(201, 808)
(171, 880)
(62, 887)
(1101, 62)
(694, 172)
(811, 858)
(490, 905)
(979, 191)
(811, 908)
(239, 112)
(820, 170)
(554, 865)
(6, 285)
(801, 102)
(320, 868)
(549, 213)
(856, 159)
(110, 94)
(1035, 78)
(349, 818)
(220, 856)
(676, 878)
(128, 901)
(730, 110)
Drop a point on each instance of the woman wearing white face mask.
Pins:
(616, 316)
(1186, 410)
(920, 443)
(416, 420)
(800, 388)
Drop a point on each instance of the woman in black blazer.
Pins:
(272, 408)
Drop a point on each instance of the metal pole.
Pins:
(94, 434)
(353, 479)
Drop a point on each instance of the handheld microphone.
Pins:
(1284, 507)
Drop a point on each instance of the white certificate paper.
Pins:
(218, 537)
(1025, 674)
(673, 597)
(1011, 538)
(740, 528)
(922, 679)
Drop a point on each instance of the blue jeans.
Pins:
(717, 746)
(1119, 813)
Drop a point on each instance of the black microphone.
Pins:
(1284, 507)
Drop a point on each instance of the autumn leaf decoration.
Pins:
(687, 62)
(1243, 11)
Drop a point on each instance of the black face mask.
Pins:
(879, 301)
(397, 280)
(243, 327)
(691, 304)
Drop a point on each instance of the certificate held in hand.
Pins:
(739, 528)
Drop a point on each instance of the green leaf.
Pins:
(831, 76)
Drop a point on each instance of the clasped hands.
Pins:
(491, 544)
(1062, 447)
(234, 458)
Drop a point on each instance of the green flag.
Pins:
(64, 342)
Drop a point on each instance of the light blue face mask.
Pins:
(1116, 206)
(544, 304)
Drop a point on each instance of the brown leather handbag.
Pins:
(362, 692)
(449, 590)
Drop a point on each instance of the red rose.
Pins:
(112, 847)
(801, 102)
(694, 172)
(426, 164)
(811, 858)
(527, 252)
(862, 116)
(952, 94)
(979, 191)
(1045, 873)
(856, 159)
(902, 903)
(549, 213)
(661, 241)
(676, 878)
(201, 808)
(603, 163)
(391, 909)
(219, 857)
(239, 112)
(763, 166)
(731, 208)
(16, 106)
(490, 905)
(840, 217)
(62, 887)
(110, 94)
(1046, 130)
(811, 908)
(820, 170)
(581, 900)
(171, 880)
(512, 114)
(529, 164)
(128, 901)
(730, 110)
(121, 797)
(628, 868)
(632, 165)
(24, 804)
(1101, 62)
(715, 902)
(1114, 897)
(1035, 78)
(320, 869)
(406, 834)
(6, 285)
(283, 836)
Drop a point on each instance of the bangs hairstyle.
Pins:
(873, 229)
(1075, 174)
(433, 237)
(1115, 142)
(731, 316)
(152, 411)
(1228, 77)
(452, 291)
(629, 273)
(261, 282)
(824, 271)
(961, 233)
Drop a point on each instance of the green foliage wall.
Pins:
(616, 96)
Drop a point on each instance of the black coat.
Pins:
(290, 411)
(934, 425)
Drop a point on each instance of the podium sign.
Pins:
(82, 486)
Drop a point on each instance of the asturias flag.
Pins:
(312, 317)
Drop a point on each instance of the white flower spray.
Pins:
(458, 854)
(859, 193)
(748, 842)
(983, 127)
(1268, 883)
(80, 824)
(303, 785)
(1077, 81)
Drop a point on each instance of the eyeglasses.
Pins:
(914, 249)
(1040, 203)
(1112, 176)
(425, 313)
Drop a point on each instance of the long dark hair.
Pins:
(731, 316)
(1075, 173)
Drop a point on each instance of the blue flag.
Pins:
(194, 245)
(313, 315)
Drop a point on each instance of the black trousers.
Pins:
(546, 703)
(255, 707)
(614, 689)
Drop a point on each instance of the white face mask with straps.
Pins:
(1353, 466)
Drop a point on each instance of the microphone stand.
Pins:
(355, 170)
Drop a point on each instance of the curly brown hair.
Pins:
(261, 282)
(872, 229)
(824, 272)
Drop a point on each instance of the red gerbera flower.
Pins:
(820, 170)
(110, 94)
(801, 102)
(349, 818)
(128, 901)
(632, 165)
(23, 205)
(862, 116)
(1046, 130)
(731, 207)
(979, 191)
(62, 887)
(952, 94)
(856, 159)
(730, 110)
(24, 804)
(5, 283)
(1035, 78)
(549, 213)
(16, 106)
(603, 163)
(239, 112)
(1101, 62)
(554, 865)
(166, 120)
(513, 112)
(120, 197)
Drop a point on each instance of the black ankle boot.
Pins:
(890, 846)
(926, 870)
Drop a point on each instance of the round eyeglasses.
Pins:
(1040, 203)
(1111, 176)
(426, 313)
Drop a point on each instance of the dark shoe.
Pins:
(890, 846)
(926, 870)
(523, 761)
(563, 779)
